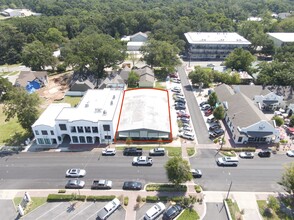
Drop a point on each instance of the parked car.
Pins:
(157, 152)
(205, 107)
(133, 151)
(75, 173)
(203, 103)
(172, 212)
(185, 115)
(196, 173)
(177, 92)
(178, 95)
(208, 113)
(176, 89)
(178, 104)
(109, 152)
(290, 153)
(210, 65)
(180, 101)
(108, 209)
(187, 128)
(173, 75)
(265, 153)
(185, 124)
(75, 184)
(142, 160)
(216, 133)
(214, 127)
(101, 184)
(187, 135)
(155, 211)
(132, 185)
(175, 80)
(181, 112)
(180, 107)
(185, 120)
(249, 155)
(211, 120)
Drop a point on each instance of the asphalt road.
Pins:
(47, 170)
(215, 211)
(254, 175)
(197, 119)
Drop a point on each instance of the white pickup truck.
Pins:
(142, 160)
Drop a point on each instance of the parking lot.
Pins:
(65, 210)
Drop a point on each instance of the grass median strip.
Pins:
(166, 188)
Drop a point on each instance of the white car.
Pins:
(187, 128)
(108, 209)
(290, 153)
(187, 135)
(154, 211)
(109, 152)
(176, 89)
(75, 173)
(249, 155)
(142, 160)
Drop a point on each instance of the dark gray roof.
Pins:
(241, 110)
(284, 91)
(251, 90)
(146, 74)
(124, 73)
(82, 86)
(112, 79)
(27, 76)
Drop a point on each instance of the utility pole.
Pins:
(229, 189)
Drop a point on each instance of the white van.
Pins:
(228, 161)
(154, 211)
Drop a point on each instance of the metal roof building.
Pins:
(281, 39)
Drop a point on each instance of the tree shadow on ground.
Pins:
(17, 139)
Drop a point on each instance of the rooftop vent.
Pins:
(113, 97)
(87, 105)
(111, 103)
(97, 110)
(104, 112)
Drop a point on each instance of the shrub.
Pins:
(61, 68)
(177, 199)
(62, 198)
(198, 189)
(166, 187)
(273, 203)
(126, 201)
(152, 198)
(61, 191)
(279, 121)
(143, 199)
(237, 149)
(283, 141)
(100, 198)
(139, 198)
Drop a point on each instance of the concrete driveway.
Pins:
(7, 209)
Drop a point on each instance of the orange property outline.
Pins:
(170, 126)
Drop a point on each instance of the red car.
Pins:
(208, 112)
(173, 75)
(183, 115)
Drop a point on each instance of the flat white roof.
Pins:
(284, 37)
(49, 115)
(145, 109)
(96, 105)
(215, 38)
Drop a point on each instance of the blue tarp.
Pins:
(33, 86)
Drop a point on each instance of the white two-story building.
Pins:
(93, 121)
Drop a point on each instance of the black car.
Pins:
(264, 154)
(203, 103)
(172, 212)
(180, 101)
(132, 185)
(180, 107)
(216, 133)
(214, 127)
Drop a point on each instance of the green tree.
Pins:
(291, 124)
(188, 202)
(287, 181)
(133, 79)
(212, 99)
(22, 105)
(219, 112)
(93, 53)
(160, 54)
(279, 121)
(239, 59)
(273, 203)
(37, 56)
(53, 35)
(201, 75)
(5, 88)
(178, 170)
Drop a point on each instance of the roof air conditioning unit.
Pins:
(104, 112)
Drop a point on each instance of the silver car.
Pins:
(249, 155)
(75, 184)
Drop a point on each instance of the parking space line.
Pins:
(92, 215)
(45, 213)
(82, 210)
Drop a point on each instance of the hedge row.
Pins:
(249, 149)
(63, 198)
(163, 198)
(100, 198)
(166, 188)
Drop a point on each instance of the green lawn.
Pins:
(172, 151)
(35, 203)
(71, 100)
(159, 85)
(189, 215)
(190, 151)
(11, 133)
(234, 209)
